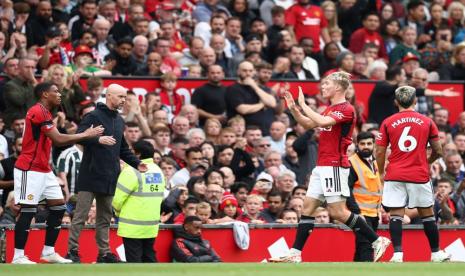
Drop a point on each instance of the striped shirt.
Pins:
(69, 162)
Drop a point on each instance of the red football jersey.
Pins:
(408, 133)
(307, 22)
(334, 140)
(35, 154)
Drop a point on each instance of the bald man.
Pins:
(247, 99)
(99, 172)
(102, 28)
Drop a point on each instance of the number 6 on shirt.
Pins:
(404, 138)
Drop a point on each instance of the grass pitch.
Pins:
(240, 269)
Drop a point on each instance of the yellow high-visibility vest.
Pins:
(367, 189)
(137, 201)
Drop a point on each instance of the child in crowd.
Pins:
(229, 206)
(172, 101)
(253, 206)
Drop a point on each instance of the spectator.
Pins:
(95, 89)
(297, 204)
(453, 172)
(52, 52)
(18, 93)
(196, 137)
(390, 32)
(455, 69)
(180, 127)
(84, 20)
(252, 210)
(204, 212)
(407, 45)
(459, 199)
(104, 43)
(285, 183)
(216, 25)
(298, 23)
(275, 202)
(240, 190)
(228, 177)
(125, 65)
(277, 137)
(139, 51)
(291, 159)
(125, 29)
(162, 139)
(456, 12)
(68, 165)
(241, 10)
(322, 216)
(209, 98)
(193, 158)
(247, 99)
(229, 207)
(377, 70)
(444, 206)
(205, 9)
(369, 33)
(169, 32)
(410, 63)
(169, 64)
(152, 67)
(277, 24)
(168, 167)
(188, 245)
(213, 196)
(439, 51)
(207, 58)
(212, 130)
(191, 55)
(174, 202)
(223, 58)
(420, 80)
(197, 188)
(349, 17)
(84, 63)
(297, 57)
(7, 167)
(37, 26)
(415, 18)
(236, 159)
(288, 216)
(441, 118)
(10, 71)
(310, 61)
(459, 127)
(188, 209)
(330, 53)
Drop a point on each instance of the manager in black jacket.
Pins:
(99, 172)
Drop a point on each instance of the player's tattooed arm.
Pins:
(436, 151)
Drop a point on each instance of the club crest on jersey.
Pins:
(337, 114)
(30, 197)
(328, 128)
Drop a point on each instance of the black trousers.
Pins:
(139, 250)
(363, 249)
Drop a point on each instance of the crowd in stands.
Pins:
(234, 152)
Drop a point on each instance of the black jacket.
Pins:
(100, 165)
(186, 248)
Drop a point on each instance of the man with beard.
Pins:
(248, 99)
(297, 56)
(275, 206)
(210, 97)
(365, 184)
(125, 65)
(37, 25)
(6, 170)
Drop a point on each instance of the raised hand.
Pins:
(289, 99)
(449, 93)
(301, 98)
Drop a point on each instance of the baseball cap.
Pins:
(82, 49)
(52, 32)
(263, 176)
(252, 37)
(410, 56)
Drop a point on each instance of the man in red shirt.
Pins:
(407, 182)
(33, 177)
(329, 179)
(307, 20)
(368, 34)
(52, 53)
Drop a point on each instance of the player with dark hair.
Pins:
(407, 182)
(329, 179)
(33, 178)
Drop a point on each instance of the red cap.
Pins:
(228, 199)
(82, 49)
(410, 56)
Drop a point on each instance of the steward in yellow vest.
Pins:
(365, 185)
(137, 203)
